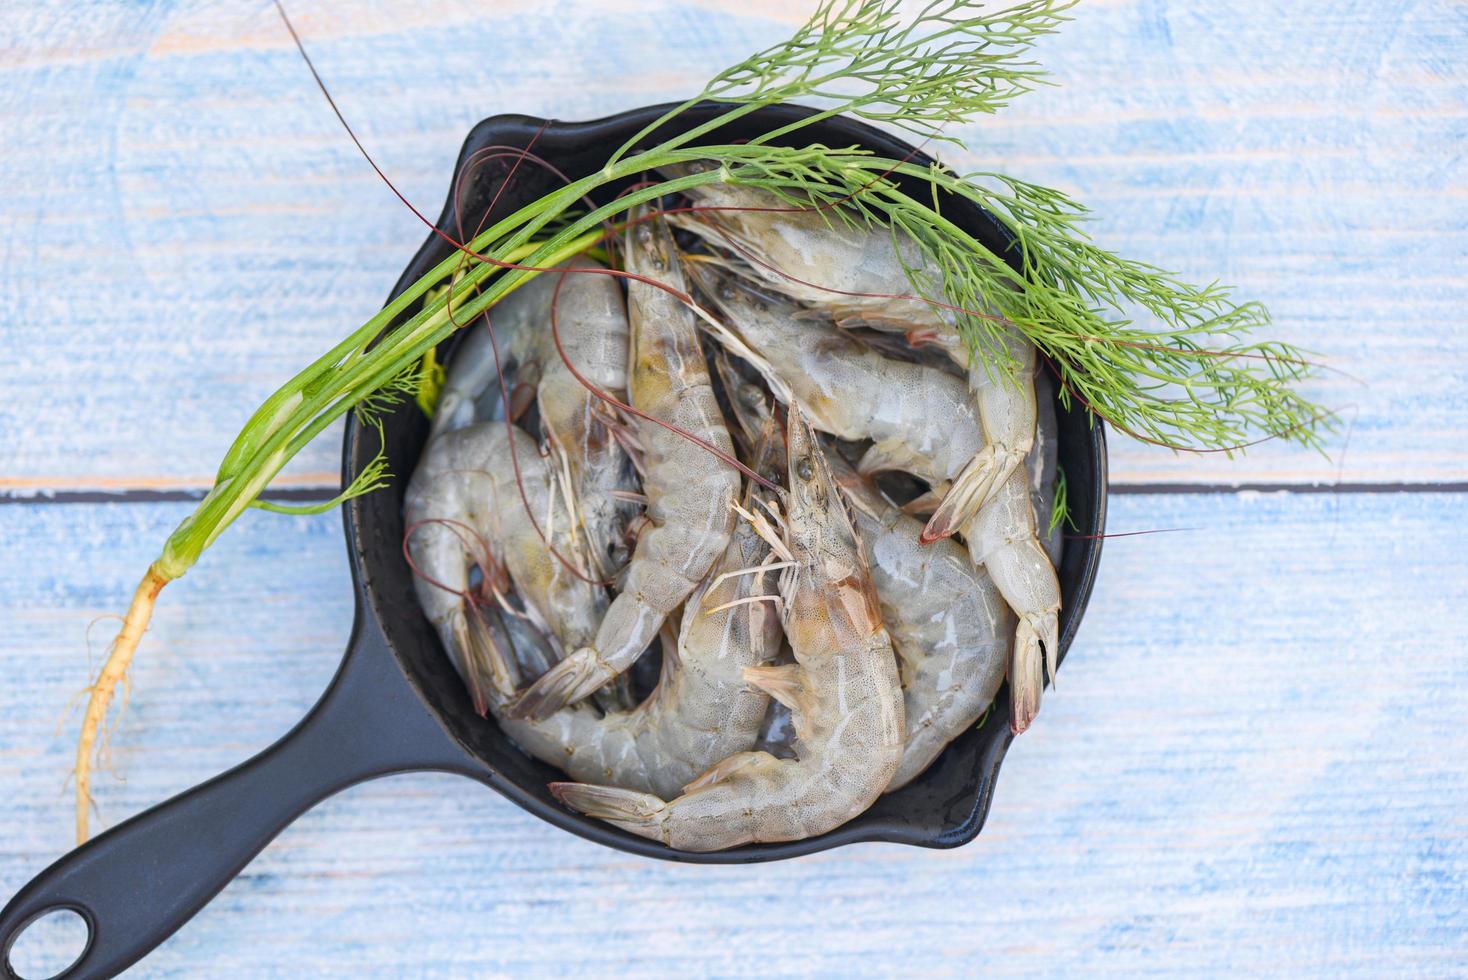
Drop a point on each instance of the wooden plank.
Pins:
(184, 225)
(1253, 763)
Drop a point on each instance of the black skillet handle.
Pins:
(140, 881)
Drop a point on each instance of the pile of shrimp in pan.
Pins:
(736, 552)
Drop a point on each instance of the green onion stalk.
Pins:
(1193, 379)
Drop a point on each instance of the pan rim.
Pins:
(358, 448)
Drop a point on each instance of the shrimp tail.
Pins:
(478, 658)
(975, 485)
(925, 503)
(574, 678)
(1027, 667)
(451, 412)
(638, 813)
(889, 455)
(1049, 630)
(783, 682)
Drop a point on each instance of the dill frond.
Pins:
(374, 476)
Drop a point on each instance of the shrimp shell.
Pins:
(591, 326)
(1004, 539)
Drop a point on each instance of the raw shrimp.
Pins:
(688, 491)
(950, 627)
(822, 259)
(702, 710)
(591, 323)
(465, 489)
(843, 691)
(921, 419)
(471, 391)
(1003, 538)
(854, 271)
(923, 423)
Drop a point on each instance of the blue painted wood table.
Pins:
(1257, 757)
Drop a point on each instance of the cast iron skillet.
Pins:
(396, 704)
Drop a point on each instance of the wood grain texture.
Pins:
(1254, 763)
(184, 225)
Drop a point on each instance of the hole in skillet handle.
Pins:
(943, 808)
(48, 944)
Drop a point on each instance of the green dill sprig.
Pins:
(949, 62)
(944, 66)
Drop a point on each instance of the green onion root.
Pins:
(113, 670)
